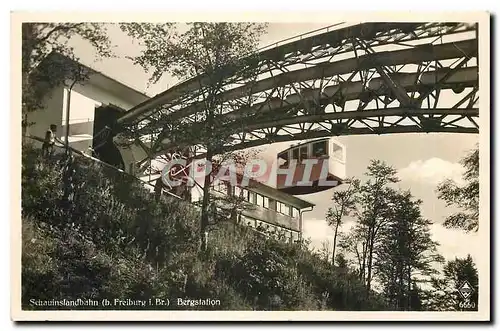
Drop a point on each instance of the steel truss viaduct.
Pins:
(368, 78)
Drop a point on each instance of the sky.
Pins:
(422, 160)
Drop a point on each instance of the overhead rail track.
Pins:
(368, 78)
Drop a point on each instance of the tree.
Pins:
(352, 245)
(465, 197)
(405, 252)
(344, 203)
(342, 262)
(445, 294)
(370, 205)
(39, 40)
(372, 212)
(203, 51)
(325, 251)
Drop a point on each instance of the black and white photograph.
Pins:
(334, 166)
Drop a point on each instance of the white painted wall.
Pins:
(85, 98)
(103, 95)
(337, 163)
(82, 108)
(51, 113)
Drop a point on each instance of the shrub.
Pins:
(113, 240)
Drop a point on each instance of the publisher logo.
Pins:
(465, 290)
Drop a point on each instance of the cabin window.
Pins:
(338, 152)
(284, 157)
(320, 148)
(303, 153)
(237, 191)
(295, 154)
(295, 212)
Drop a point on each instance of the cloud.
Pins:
(457, 243)
(432, 171)
(318, 231)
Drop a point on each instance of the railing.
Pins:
(77, 120)
(303, 36)
(147, 184)
(278, 43)
(82, 154)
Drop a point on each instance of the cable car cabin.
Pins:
(326, 168)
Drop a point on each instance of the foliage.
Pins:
(406, 253)
(39, 39)
(390, 244)
(371, 215)
(445, 295)
(465, 197)
(206, 52)
(198, 48)
(344, 204)
(116, 241)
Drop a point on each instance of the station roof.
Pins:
(97, 78)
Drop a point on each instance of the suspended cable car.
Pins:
(319, 166)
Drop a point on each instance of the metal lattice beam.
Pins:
(370, 78)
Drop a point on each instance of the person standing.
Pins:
(49, 141)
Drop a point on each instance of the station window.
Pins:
(237, 191)
(252, 197)
(278, 206)
(283, 208)
(245, 194)
(266, 202)
(320, 148)
(260, 200)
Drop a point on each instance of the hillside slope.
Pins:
(113, 241)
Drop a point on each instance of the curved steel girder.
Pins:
(361, 115)
(429, 120)
(276, 112)
(448, 78)
(375, 33)
(418, 54)
(270, 120)
(417, 116)
(350, 131)
(466, 77)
